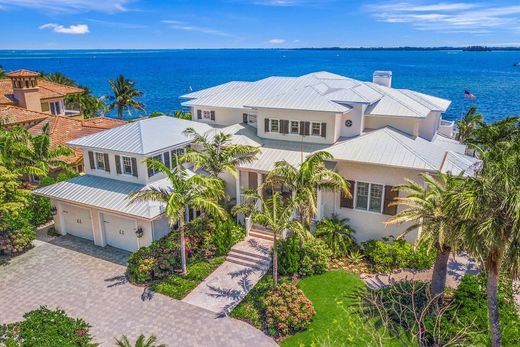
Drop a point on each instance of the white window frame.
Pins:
(311, 129)
(369, 197)
(96, 161)
(271, 120)
(208, 113)
(297, 127)
(55, 106)
(123, 166)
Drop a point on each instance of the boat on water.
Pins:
(516, 64)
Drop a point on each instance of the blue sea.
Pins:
(163, 75)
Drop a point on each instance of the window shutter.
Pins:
(150, 171)
(307, 126)
(284, 126)
(91, 160)
(118, 164)
(107, 163)
(134, 167)
(212, 115)
(244, 118)
(199, 114)
(302, 128)
(166, 159)
(348, 202)
(390, 196)
(266, 125)
(323, 129)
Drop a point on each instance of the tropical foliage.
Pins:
(141, 341)
(336, 233)
(470, 121)
(305, 181)
(185, 191)
(124, 96)
(217, 154)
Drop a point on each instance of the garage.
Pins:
(77, 221)
(120, 232)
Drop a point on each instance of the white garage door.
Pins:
(77, 221)
(120, 232)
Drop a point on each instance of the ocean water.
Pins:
(163, 75)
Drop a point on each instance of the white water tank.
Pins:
(383, 78)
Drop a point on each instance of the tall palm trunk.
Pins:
(494, 318)
(183, 245)
(119, 112)
(275, 259)
(440, 271)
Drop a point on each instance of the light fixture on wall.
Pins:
(139, 232)
(54, 210)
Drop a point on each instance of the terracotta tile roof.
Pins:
(11, 115)
(64, 129)
(48, 90)
(23, 73)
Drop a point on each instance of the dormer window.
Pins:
(295, 127)
(127, 166)
(316, 129)
(275, 126)
(100, 161)
(55, 107)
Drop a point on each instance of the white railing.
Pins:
(446, 128)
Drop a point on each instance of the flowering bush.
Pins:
(287, 310)
(16, 235)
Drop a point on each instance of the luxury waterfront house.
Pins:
(378, 135)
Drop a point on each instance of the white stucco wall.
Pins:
(405, 124)
(429, 125)
(223, 116)
(368, 225)
(356, 116)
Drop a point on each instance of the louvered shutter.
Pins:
(199, 114)
(302, 128)
(244, 118)
(323, 129)
(347, 202)
(166, 159)
(118, 164)
(390, 196)
(284, 126)
(134, 167)
(91, 160)
(307, 126)
(266, 125)
(212, 115)
(107, 162)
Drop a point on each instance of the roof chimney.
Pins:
(383, 78)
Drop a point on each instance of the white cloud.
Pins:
(175, 24)
(73, 29)
(68, 6)
(276, 41)
(476, 18)
(288, 3)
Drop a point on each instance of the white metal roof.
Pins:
(321, 91)
(103, 193)
(143, 136)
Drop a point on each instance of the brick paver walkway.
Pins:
(88, 282)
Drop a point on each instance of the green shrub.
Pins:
(39, 210)
(388, 254)
(315, 258)
(16, 235)
(337, 235)
(44, 327)
(287, 310)
(288, 252)
(226, 234)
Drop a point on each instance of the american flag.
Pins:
(468, 95)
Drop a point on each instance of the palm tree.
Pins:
(489, 205)
(58, 77)
(124, 96)
(182, 114)
(276, 214)
(2, 72)
(218, 155)
(305, 181)
(336, 233)
(468, 123)
(427, 209)
(185, 191)
(140, 342)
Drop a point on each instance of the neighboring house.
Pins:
(95, 206)
(379, 136)
(24, 89)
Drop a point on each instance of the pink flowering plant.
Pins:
(287, 310)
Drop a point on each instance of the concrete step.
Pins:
(242, 262)
(261, 235)
(249, 259)
(249, 254)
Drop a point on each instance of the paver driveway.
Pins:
(88, 282)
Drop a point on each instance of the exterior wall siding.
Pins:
(405, 124)
(223, 116)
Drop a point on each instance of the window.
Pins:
(100, 161)
(206, 114)
(295, 127)
(127, 166)
(55, 107)
(369, 196)
(316, 129)
(178, 152)
(152, 172)
(275, 125)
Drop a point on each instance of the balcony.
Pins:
(447, 128)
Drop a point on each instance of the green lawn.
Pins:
(337, 322)
(178, 287)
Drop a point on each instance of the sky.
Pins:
(146, 24)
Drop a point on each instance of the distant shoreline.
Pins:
(406, 48)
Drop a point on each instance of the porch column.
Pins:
(237, 187)
(259, 181)
(319, 203)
